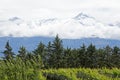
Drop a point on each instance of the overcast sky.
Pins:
(101, 9)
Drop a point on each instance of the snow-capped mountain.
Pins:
(74, 31)
(86, 20)
(79, 26)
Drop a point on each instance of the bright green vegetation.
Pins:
(82, 74)
(54, 62)
(17, 70)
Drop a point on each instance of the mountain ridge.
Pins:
(31, 42)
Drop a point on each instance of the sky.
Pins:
(105, 11)
(101, 9)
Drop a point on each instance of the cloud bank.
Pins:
(106, 13)
(81, 26)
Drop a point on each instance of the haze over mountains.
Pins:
(32, 42)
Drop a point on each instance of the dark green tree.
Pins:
(91, 56)
(100, 58)
(30, 56)
(40, 50)
(57, 53)
(116, 56)
(107, 56)
(82, 56)
(67, 58)
(22, 53)
(8, 52)
(74, 58)
(48, 53)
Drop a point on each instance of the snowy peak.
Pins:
(82, 16)
(39, 22)
(48, 21)
(16, 20)
(86, 20)
(33, 22)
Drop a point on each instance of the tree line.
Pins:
(54, 55)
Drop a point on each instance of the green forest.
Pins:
(54, 62)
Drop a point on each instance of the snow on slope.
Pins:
(80, 26)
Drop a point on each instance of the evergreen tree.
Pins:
(40, 50)
(8, 51)
(48, 53)
(116, 56)
(30, 56)
(91, 56)
(82, 55)
(74, 58)
(22, 53)
(67, 58)
(107, 53)
(57, 52)
(100, 58)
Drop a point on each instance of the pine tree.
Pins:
(100, 58)
(57, 52)
(49, 49)
(116, 56)
(82, 55)
(22, 53)
(107, 53)
(8, 51)
(67, 57)
(91, 56)
(48, 53)
(40, 50)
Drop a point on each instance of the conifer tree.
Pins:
(57, 51)
(82, 55)
(22, 53)
(91, 56)
(8, 51)
(107, 53)
(116, 56)
(40, 50)
(48, 54)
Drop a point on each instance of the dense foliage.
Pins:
(27, 65)
(81, 74)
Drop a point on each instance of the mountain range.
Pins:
(32, 42)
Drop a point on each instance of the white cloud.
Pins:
(106, 11)
(68, 28)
